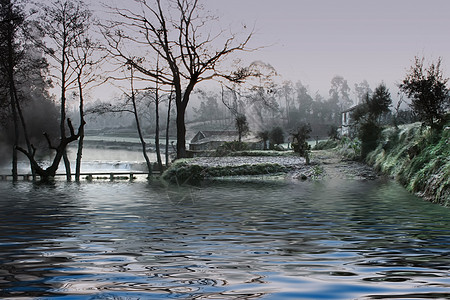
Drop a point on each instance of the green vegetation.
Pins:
(325, 145)
(350, 148)
(417, 157)
(300, 141)
(262, 153)
(427, 89)
(368, 115)
(276, 137)
(184, 172)
(229, 147)
(369, 134)
(317, 172)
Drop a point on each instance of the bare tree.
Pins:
(157, 102)
(129, 106)
(256, 92)
(138, 124)
(60, 149)
(233, 102)
(85, 59)
(11, 19)
(16, 65)
(177, 31)
(63, 23)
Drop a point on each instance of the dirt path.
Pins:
(335, 166)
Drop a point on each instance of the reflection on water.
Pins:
(309, 240)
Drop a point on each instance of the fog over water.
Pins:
(95, 159)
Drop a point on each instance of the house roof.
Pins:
(205, 136)
(208, 133)
(351, 108)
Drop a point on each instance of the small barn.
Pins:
(211, 139)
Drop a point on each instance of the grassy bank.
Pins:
(418, 158)
(184, 171)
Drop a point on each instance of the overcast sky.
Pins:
(314, 40)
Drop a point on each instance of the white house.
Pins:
(347, 124)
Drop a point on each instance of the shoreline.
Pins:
(418, 158)
(324, 164)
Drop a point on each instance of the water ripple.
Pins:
(336, 240)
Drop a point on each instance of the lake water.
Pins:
(342, 239)
(95, 160)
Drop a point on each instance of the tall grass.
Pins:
(417, 157)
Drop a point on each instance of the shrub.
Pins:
(350, 148)
(328, 144)
(369, 134)
(182, 172)
(333, 132)
(264, 136)
(229, 147)
(300, 141)
(276, 137)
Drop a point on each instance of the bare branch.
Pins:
(49, 142)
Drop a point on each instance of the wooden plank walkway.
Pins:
(87, 175)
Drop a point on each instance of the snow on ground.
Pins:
(288, 161)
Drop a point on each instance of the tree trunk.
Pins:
(50, 172)
(181, 132)
(63, 112)
(10, 74)
(181, 103)
(141, 137)
(16, 127)
(138, 125)
(16, 143)
(80, 132)
(67, 165)
(167, 130)
(79, 155)
(158, 150)
(25, 131)
(63, 108)
(288, 110)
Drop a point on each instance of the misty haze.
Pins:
(190, 149)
